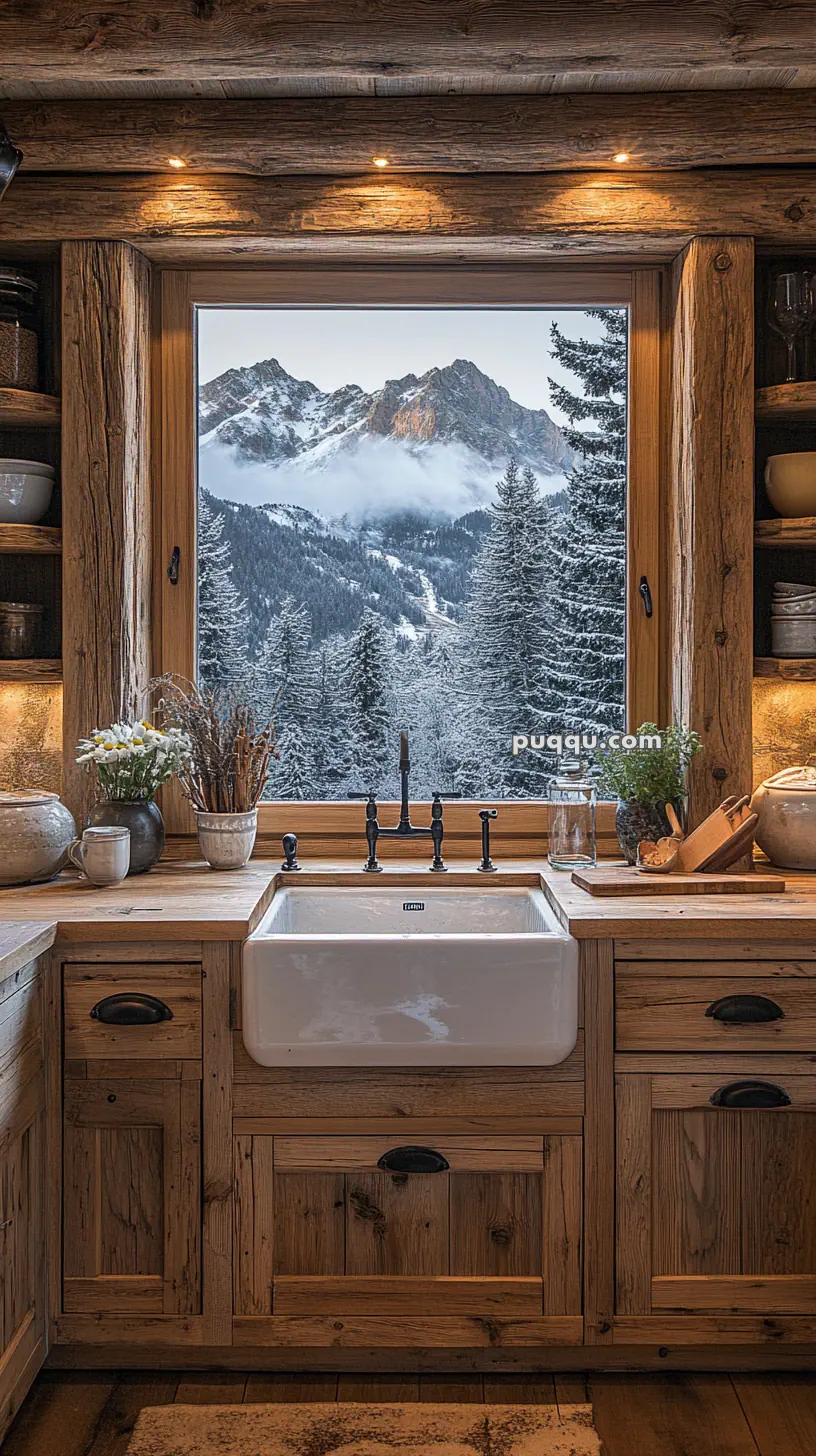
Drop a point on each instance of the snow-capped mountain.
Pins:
(262, 415)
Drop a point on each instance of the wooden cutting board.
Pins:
(625, 880)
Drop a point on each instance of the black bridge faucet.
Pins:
(404, 829)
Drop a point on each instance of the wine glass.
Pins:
(791, 308)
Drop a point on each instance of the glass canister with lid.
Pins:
(19, 328)
(572, 800)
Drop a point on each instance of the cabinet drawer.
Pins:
(707, 1013)
(172, 992)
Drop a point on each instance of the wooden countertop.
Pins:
(191, 902)
(22, 941)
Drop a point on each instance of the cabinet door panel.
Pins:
(716, 1206)
(696, 1187)
(357, 1238)
(132, 1197)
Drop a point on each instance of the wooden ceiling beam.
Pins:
(228, 39)
(182, 218)
(340, 136)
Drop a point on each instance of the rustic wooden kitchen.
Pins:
(182, 1188)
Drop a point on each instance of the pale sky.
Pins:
(366, 346)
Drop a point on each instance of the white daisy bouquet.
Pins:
(132, 760)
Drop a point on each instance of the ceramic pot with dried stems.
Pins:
(227, 840)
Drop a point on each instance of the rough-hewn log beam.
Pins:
(433, 134)
(230, 38)
(712, 480)
(183, 219)
(105, 493)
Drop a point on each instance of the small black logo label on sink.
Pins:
(413, 904)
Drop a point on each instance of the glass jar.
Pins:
(19, 325)
(571, 817)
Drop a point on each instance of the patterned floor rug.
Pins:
(363, 1430)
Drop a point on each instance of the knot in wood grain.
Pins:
(723, 262)
(720, 638)
(795, 212)
(501, 1234)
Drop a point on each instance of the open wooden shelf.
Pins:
(31, 670)
(791, 402)
(34, 540)
(22, 409)
(793, 532)
(792, 669)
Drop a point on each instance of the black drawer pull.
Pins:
(131, 1008)
(750, 1094)
(413, 1160)
(744, 1010)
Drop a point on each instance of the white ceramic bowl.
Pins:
(790, 481)
(25, 494)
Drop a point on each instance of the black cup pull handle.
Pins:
(131, 1008)
(743, 1010)
(413, 1160)
(750, 1094)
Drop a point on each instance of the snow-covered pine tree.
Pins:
(586, 672)
(222, 649)
(286, 668)
(331, 750)
(368, 678)
(505, 638)
(292, 774)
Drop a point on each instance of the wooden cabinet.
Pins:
(22, 1174)
(132, 1193)
(721, 1006)
(132, 1011)
(339, 1225)
(716, 1199)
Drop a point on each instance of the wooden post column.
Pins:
(105, 493)
(712, 455)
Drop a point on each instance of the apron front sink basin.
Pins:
(409, 977)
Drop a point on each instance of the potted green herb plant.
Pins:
(131, 761)
(644, 780)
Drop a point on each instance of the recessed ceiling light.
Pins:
(380, 161)
(177, 162)
(621, 157)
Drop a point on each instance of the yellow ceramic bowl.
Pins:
(790, 481)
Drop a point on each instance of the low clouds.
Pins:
(379, 476)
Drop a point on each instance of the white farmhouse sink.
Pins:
(409, 977)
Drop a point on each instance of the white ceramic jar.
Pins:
(227, 840)
(786, 805)
(36, 830)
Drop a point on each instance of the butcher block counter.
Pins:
(190, 901)
(647, 1202)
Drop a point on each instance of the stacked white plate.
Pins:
(26, 487)
(793, 619)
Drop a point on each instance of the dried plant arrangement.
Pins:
(229, 751)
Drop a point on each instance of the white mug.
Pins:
(103, 854)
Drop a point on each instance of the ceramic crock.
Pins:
(786, 805)
(227, 840)
(35, 832)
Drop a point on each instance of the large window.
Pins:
(418, 515)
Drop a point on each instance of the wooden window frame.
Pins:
(335, 828)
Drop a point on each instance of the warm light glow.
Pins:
(621, 157)
(177, 162)
(380, 161)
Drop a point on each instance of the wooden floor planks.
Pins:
(92, 1414)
